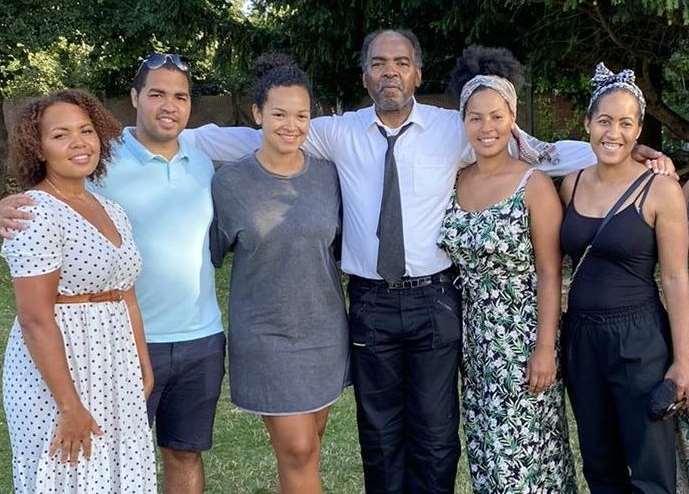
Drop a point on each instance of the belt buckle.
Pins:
(412, 283)
(398, 285)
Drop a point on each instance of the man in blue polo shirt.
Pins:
(164, 186)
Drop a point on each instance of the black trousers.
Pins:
(613, 360)
(405, 361)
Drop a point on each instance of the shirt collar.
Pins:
(415, 117)
(143, 154)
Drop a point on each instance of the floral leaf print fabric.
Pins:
(516, 442)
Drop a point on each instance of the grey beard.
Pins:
(391, 105)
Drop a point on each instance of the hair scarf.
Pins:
(529, 149)
(605, 80)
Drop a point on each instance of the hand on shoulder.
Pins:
(12, 212)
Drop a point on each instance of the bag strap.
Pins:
(613, 210)
(623, 198)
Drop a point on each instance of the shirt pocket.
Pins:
(433, 176)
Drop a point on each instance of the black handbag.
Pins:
(662, 403)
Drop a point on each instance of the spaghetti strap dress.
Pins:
(516, 442)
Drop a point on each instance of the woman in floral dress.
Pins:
(509, 260)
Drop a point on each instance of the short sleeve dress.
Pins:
(288, 339)
(101, 355)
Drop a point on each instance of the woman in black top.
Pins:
(618, 339)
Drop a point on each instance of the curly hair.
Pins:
(25, 164)
(482, 60)
(277, 70)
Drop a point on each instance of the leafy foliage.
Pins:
(95, 43)
(106, 37)
(60, 66)
(560, 40)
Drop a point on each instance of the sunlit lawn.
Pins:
(241, 460)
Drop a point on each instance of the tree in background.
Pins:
(103, 39)
(563, 39)
(95, 44)
(326, 38)
(560, 40)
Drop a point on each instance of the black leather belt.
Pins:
(447, 276)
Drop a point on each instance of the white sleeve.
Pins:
(322, 137)
(467, 156)
(223, 143)
(37, 249)
(573, 156)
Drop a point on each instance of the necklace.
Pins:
(62, 194)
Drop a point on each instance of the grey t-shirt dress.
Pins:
(288, 338)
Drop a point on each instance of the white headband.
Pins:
(503, 86)
(604, 80)
(531, 149)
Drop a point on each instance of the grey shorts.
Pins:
(188, 378)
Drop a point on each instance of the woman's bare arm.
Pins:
(35, 298)
(545, 213)
(672, 233)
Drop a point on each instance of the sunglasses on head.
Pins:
(156, 60)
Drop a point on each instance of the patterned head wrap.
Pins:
(605, 80)
(529, 149)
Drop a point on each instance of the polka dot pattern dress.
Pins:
(101, 355)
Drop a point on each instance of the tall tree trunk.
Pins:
(652, 133)
(3, 150)
(651, 82)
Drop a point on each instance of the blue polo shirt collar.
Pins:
(144, 155)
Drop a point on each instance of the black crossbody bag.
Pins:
(613, 210)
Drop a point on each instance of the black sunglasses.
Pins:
(156, 60)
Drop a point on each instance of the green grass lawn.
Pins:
(241, 461)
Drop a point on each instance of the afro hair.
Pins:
(482, 60)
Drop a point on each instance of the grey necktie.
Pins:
(390, 235)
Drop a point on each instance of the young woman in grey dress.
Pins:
(278, 210)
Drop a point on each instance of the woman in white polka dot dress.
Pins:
(76, 368)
